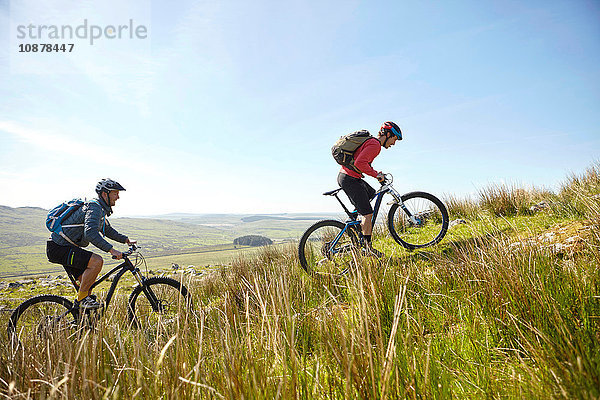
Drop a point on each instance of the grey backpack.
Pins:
(343, 150)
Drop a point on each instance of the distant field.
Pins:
(197, 240)
(202, 259)
(210, 256)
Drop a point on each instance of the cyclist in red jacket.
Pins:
(357, 189)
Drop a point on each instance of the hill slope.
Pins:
(506, 306)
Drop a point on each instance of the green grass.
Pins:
(496, 310)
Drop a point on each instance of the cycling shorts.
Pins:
(74, 259)
(358, 191)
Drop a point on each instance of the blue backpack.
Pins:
(58, 214)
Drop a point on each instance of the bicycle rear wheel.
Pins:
(423, 223)
(158, 304)
(326, 247)
(41, 317)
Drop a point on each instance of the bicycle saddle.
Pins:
(332, 192)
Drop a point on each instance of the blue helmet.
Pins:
(390, 127)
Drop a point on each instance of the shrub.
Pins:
(252, 240)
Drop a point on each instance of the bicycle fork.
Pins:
(154, 302)
(398, 200)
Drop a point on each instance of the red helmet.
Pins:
(390, 127)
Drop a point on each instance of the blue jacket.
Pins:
(93, 225)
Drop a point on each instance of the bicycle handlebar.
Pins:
(125, 254)
(388, 179)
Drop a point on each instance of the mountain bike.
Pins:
(154, 303)
(415, 220)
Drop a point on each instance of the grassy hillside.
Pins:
(506, 306)
(22, 226)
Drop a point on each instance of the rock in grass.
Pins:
(541, 206)
(457, 222)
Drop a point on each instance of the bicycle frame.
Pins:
(353, 221)
(125, 266)
(88, 317)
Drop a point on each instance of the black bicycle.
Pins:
(154, 303)
(415, 220)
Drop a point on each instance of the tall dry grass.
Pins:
(485, 322)
(503, 200)
(465, 208)
(500, 200)
(580, 194)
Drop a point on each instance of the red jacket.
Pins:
(363, 157)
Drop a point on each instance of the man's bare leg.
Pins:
(367, 230)
(367, 224)
(89, 276)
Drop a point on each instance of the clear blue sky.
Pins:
(234, 105)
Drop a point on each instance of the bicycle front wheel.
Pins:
(422, 222)
(158, 303)
(326, 247)
(41, 317)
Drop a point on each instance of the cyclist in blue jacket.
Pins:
(88, 225)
